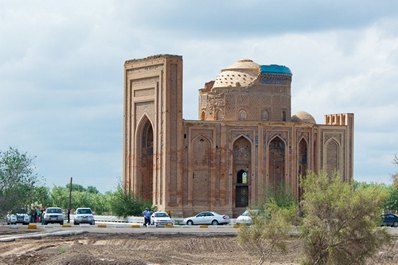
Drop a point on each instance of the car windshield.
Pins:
(54, 210)
(161, 215)
(250, 212)
(84, 211)
(18, 211)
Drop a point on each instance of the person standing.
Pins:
(43, 211)
(38, 214)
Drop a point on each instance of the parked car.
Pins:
(84, 216)
(18, 216)
(160, 219)
(389, 219)
(53, 215)
(246, 217)
(212, 218)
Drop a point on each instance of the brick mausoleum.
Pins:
(245, 141)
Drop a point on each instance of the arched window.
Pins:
(284, 115)
(265, 115)
(242, 115)
(203, 116)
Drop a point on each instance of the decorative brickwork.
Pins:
(245, 142)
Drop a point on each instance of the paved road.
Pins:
(118, 228)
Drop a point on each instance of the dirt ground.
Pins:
(91, 248)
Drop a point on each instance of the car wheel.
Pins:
(214, 222)
(92, 223)
(395, 224)
(61, 223)
(189, 222)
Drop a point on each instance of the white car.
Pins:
(18, 217)
(84, 216)
(160, 219)
(246, 217)
(212, 218)
(53, 215)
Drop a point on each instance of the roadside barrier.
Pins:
(32, 226)
(204, 226)
(101, 225)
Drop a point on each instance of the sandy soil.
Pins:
(143, 249)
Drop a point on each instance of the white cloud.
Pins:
(61, 70)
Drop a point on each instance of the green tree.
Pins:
(391, 203)
(41, 196)
(60, 197)
(82, 197)
(270, 228)
(75, 187)
(340, 224)
(126, 204)
(17, 179)
(92, 189)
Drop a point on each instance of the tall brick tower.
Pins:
(152, 125)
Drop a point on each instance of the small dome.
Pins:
(244, 64)
(239, 74)
(303, 116)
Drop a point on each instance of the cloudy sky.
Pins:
(61, 71)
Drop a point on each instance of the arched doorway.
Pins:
(242, 161)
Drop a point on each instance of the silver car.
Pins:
(84, 215)
(246, 217)
(160, 219)
(212, 218)
(53, 215)
(18, 217)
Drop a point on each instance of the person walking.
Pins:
(147, 216)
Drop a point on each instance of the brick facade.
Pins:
(245, 142)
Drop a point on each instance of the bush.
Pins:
(340, 224)
(126, 204)
(270, 228)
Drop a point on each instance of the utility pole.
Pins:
(70, 198)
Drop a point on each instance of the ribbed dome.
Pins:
(244, 64)
(303, 116)
(239, 74)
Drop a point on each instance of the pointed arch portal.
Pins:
(145, 155)
(277, 164)
(242, 161)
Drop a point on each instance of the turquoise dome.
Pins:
(275, 69)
